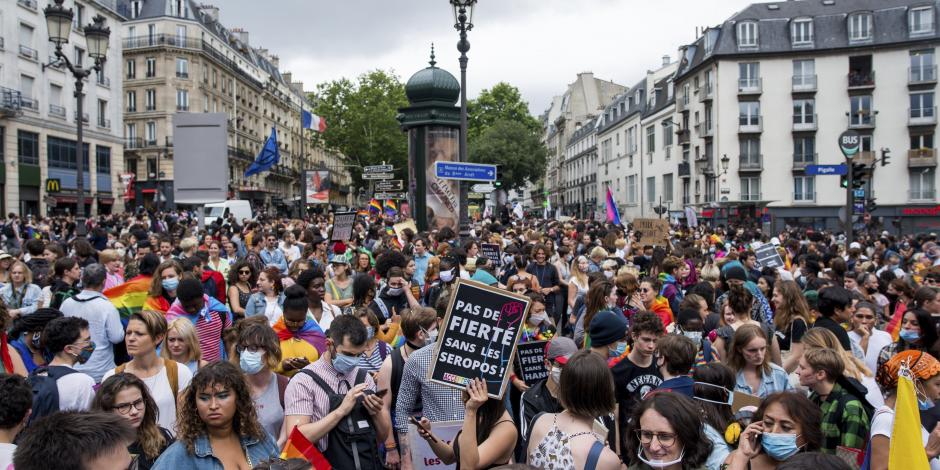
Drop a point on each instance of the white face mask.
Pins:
(556, 374)
(658, 463)
(447, 276)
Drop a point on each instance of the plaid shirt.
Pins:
(848, 428)
(440, 403)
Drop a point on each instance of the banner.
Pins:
(443, 196)
(343, 226)
(481, 330)
(127, 181)
(652, 231)
(530, 362)
(768, 257)
(317, 186)
(422, 456)
(400, 227)
(491, 252)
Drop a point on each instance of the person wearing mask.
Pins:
(78, 440)
(844, 419)
(900, 295)
(791, 320)
(313, 281)
(339, 288)
(258, 354)
(543, 396)
(864, 333)
(26, 335)
(749, 358)
(104, 320)
(301, 339)
(395, 297)
(20, 295)
(925, 371)
(14, 413)
(210, 317)
(487, 437)
(218, 425)
(675, 358)
(566, 439)
(785, 423)
(166, 280)
(446, 278)
(917, 332)
(331, 392)
(128, 397)
(867, 285)
(242, 280)
(666, 432)
(164, 377)
(69, 341)
(271, 255)
(608, 336)
(182, 345)
(269, 299)
(713, 394)
(376, 350)
(602, 296)
(690, 324)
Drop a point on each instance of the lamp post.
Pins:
(97, 36)
(463, 22)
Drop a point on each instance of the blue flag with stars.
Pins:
(270, 155)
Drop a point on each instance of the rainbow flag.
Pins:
(131, 296)
(894, 324)
(299, 447)
(363, 212)
(907, 449)
(613, 214)
(375, 205)
(391, 208)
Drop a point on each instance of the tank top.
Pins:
(554, 450)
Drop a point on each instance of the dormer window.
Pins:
(801, 32)
(920, 21)
(860, 27)
(747, 34)
(135, 9)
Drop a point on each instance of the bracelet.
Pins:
(391, 446)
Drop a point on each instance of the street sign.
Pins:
(390, 196)
(389, 185)
(483, 188)
(377, 176)
(859, 193)
(849, 142)
(465, 171)
(858, 208)
(839, 169)
(475, 196)
(378, 169)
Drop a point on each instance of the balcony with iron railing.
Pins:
(182, 107)
(683, 136)
(861, 120)
(707, 92)
(28, 52)
(804, 122)
(57, 111)
(682, 103)
(750, 163)
(103, 81)
(104, 123)
(922, 195)
(750, 124)
(921, 74)
(29, 104)
(750, 86)
(804, 83)
(10, 100)
(804, 197)
(924, 116)
(921, 158)
(182, 75)
(752, 196)
(685, 170)
(860, 80)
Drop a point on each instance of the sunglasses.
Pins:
(245, 272)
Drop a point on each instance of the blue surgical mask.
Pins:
(923, 403)
(556, 374)
(431, 337)
(170, 284)
(910, 335)
(251, 362)
(779, 446)
(619, 350)
(344, 364)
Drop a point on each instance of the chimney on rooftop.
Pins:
(210, 11)
(241, 34)
(666, 60)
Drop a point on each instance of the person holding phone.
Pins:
(300, 337)
(785, 424)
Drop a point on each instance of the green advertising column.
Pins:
(432, 122)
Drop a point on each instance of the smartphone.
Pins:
(381, 393)
(415, 421)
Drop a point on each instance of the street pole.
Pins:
(80, 158)
(463, 46)
(849, 200)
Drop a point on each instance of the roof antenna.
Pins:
(432, 62)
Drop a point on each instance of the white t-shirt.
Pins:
(159, 387)
(76, 391)
(878, 340)
(883, 424)
(329, 312)
(6, 456)
(273, 312)
(292, 254)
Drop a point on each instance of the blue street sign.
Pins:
(859, 193)
(839, 169)
(858, 208)
(465, 171)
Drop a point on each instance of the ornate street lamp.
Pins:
(725, 161)
(463, 22)
(97, 39)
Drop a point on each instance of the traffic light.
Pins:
(870, 206)
(499, 178)
(858, 175)
(844, 181)
(885, 156)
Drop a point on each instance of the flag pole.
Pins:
(303, 160)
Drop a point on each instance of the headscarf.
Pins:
(692, 278)
(923, 366)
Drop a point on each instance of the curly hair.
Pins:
(740, 299)
(389, 260)
(683, 416)
(233, 273)
(189, 425)
(148, 433)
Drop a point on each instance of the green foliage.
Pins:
(517, 150)
(361, 122)
(502, 102)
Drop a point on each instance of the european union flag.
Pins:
(268, 157)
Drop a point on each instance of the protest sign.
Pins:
(401, 226)
(343, 225)
(768, 257)
(530, 362)
(481, 329)
(740, 400)
(491, 252)
(422, 456)
(652, 231)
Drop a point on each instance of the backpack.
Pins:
(9, 231)
(45, 391)
(172, 374)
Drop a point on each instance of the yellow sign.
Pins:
(53, 185)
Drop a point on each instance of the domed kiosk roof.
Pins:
(432, 84)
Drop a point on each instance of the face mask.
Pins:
(925, 403)
(556, 375)
(431, 337)
(619, 350)
(251, 362)
(537, 319)
(35, 340)
(910, 335)
(728, 402)
(658, 463)
(370, 332)
(779, 446)
(609, 274)
(170, 284)
(695, 336)
(447, 276)
(85, 354)
(394, 291)
(344, 364)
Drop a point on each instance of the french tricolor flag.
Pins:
(312, 121)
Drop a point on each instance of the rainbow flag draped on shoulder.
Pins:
(130, 297)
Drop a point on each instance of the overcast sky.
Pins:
(537, 45)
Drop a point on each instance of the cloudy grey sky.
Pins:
(536, 45)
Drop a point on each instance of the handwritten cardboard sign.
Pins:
(652, 231)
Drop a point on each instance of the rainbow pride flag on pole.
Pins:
(299, 447)
(375, 206)
(130, 297)
(391, 208)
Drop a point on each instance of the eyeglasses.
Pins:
(244, 272)
(666, 439)
(643, 289)
(254, 349)
(125, 408)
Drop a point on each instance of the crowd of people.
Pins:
(149, 342)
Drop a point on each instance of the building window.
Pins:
(135, 8)
(804, 112)
(860, 114)
(181, 35)
(804, 188)
(151, 67)
(78, 19)
(922, 141)
(748, 76)
(750, 152)
(804, 74)
(131, 68)
(151, 168)
(61, 153)
(131, 166)
(749, 113)
(651, 189)
(923, 66)
(804, 150)
(801, 32)
(667, 132)
(922, 105)
(178, 8)
(182, 68)
(750, 188)
(860, 27)
(920, 21)
(131, 101)
(747, 34)
(667, 188)
(650, 139)
(27, 147)
(151, 99)
(631, 189)
(922, 184)
(79, 56)
(151, 133)
(103, 120)
(103, 160)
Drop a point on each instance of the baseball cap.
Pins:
(559, 349)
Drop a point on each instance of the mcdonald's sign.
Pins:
(53, 185)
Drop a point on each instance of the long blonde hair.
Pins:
(183, 327)
(818, 338)
(576, 273)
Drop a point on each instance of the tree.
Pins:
(502, 102)
(517, 150)
(361, 120)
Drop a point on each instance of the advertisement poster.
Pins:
(317, 186)
(443, 195)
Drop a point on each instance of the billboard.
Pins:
(317, 186)
(443, 196)
(200, 154)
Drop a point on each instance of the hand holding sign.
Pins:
(478, 396)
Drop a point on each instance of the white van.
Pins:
(239, 208)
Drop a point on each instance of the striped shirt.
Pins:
(303, 397)
(373, 362)
(440, 403)
(209, 331)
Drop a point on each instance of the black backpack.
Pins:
(8, 231)
(45, 391)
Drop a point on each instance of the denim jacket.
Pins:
(176, 457)
(28, 302)
(775, 381)
(257, 304)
